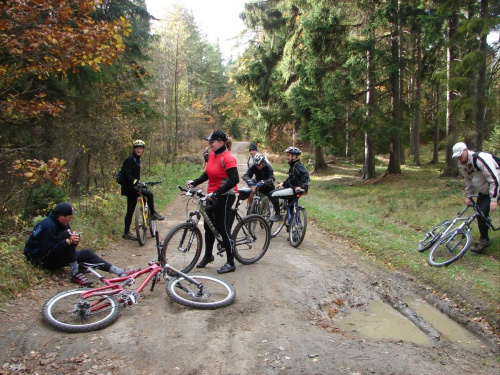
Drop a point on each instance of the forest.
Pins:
(81, 79)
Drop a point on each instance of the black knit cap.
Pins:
(63, 209)
(217, 135)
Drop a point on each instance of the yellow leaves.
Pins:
(39, 172)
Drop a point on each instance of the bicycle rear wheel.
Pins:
(182, 247)
(152, 224)
(432, 236)
(450, 248)
(276, 226)
(298, 227)
(214, 294)
(251, 239)
(140, 224)
(68, 312)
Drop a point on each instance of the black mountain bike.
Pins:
(294, 218)
(183, 244)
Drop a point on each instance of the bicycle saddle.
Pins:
(244, 193)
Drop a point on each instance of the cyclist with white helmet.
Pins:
(298, 177)
(264, 181)
(131, 174)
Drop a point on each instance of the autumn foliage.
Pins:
(38, 172)
(43, 39)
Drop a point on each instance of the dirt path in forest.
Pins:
(320, 309)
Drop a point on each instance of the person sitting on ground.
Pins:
(298, 177)
(52, 245)
(481, 172)
(264, 177)
(131, 186)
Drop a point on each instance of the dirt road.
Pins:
(320, 309)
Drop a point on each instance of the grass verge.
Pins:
(387, 217)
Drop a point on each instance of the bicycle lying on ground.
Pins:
(294, 217)
(443, 228)
(454, 244)
(142, 215)
(86, 309)
(183, 244)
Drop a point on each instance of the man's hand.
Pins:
(493, 206)
(279, 186)
(468, 202)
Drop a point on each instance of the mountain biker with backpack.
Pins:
(130, 176)
(298, 177)
(481, 171)
(264, 177)
(52, 245)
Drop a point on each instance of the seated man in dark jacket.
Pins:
(52, 245)
(264, 181)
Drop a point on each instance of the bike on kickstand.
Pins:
(183, 244)
(293, 217)
(452, 245)
(142, 215)
(90, 309)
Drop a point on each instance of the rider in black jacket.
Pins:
(264, 180)
(298, 177)
(131, 174)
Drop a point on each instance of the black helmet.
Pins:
(259, 159)
(293, 150)
(252, 146)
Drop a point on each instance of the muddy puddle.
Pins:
(449, 329)
(382, 322)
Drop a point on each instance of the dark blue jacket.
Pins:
(46, 237)
(266, 174)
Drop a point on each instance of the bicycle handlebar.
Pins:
(192, 191)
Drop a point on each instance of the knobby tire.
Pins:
(298, 227)
(276, 226)
(182, 246)
(62, 312)
(450, 248)
(217, 292)
(140, 225)
(432, 236)
(251, 239)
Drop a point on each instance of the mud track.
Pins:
(323, 308)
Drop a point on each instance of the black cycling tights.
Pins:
(220, 215)
(131, 203)
(60, 259)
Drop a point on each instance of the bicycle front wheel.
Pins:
(182, 247)
(152, 224)
(432, 236)
(276, 226)
(251, 239)
(298, 227)
(140, 224)
(69, 312)
(213, 293)
(450, 248)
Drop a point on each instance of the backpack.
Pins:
(475, 156)
(119, 178)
